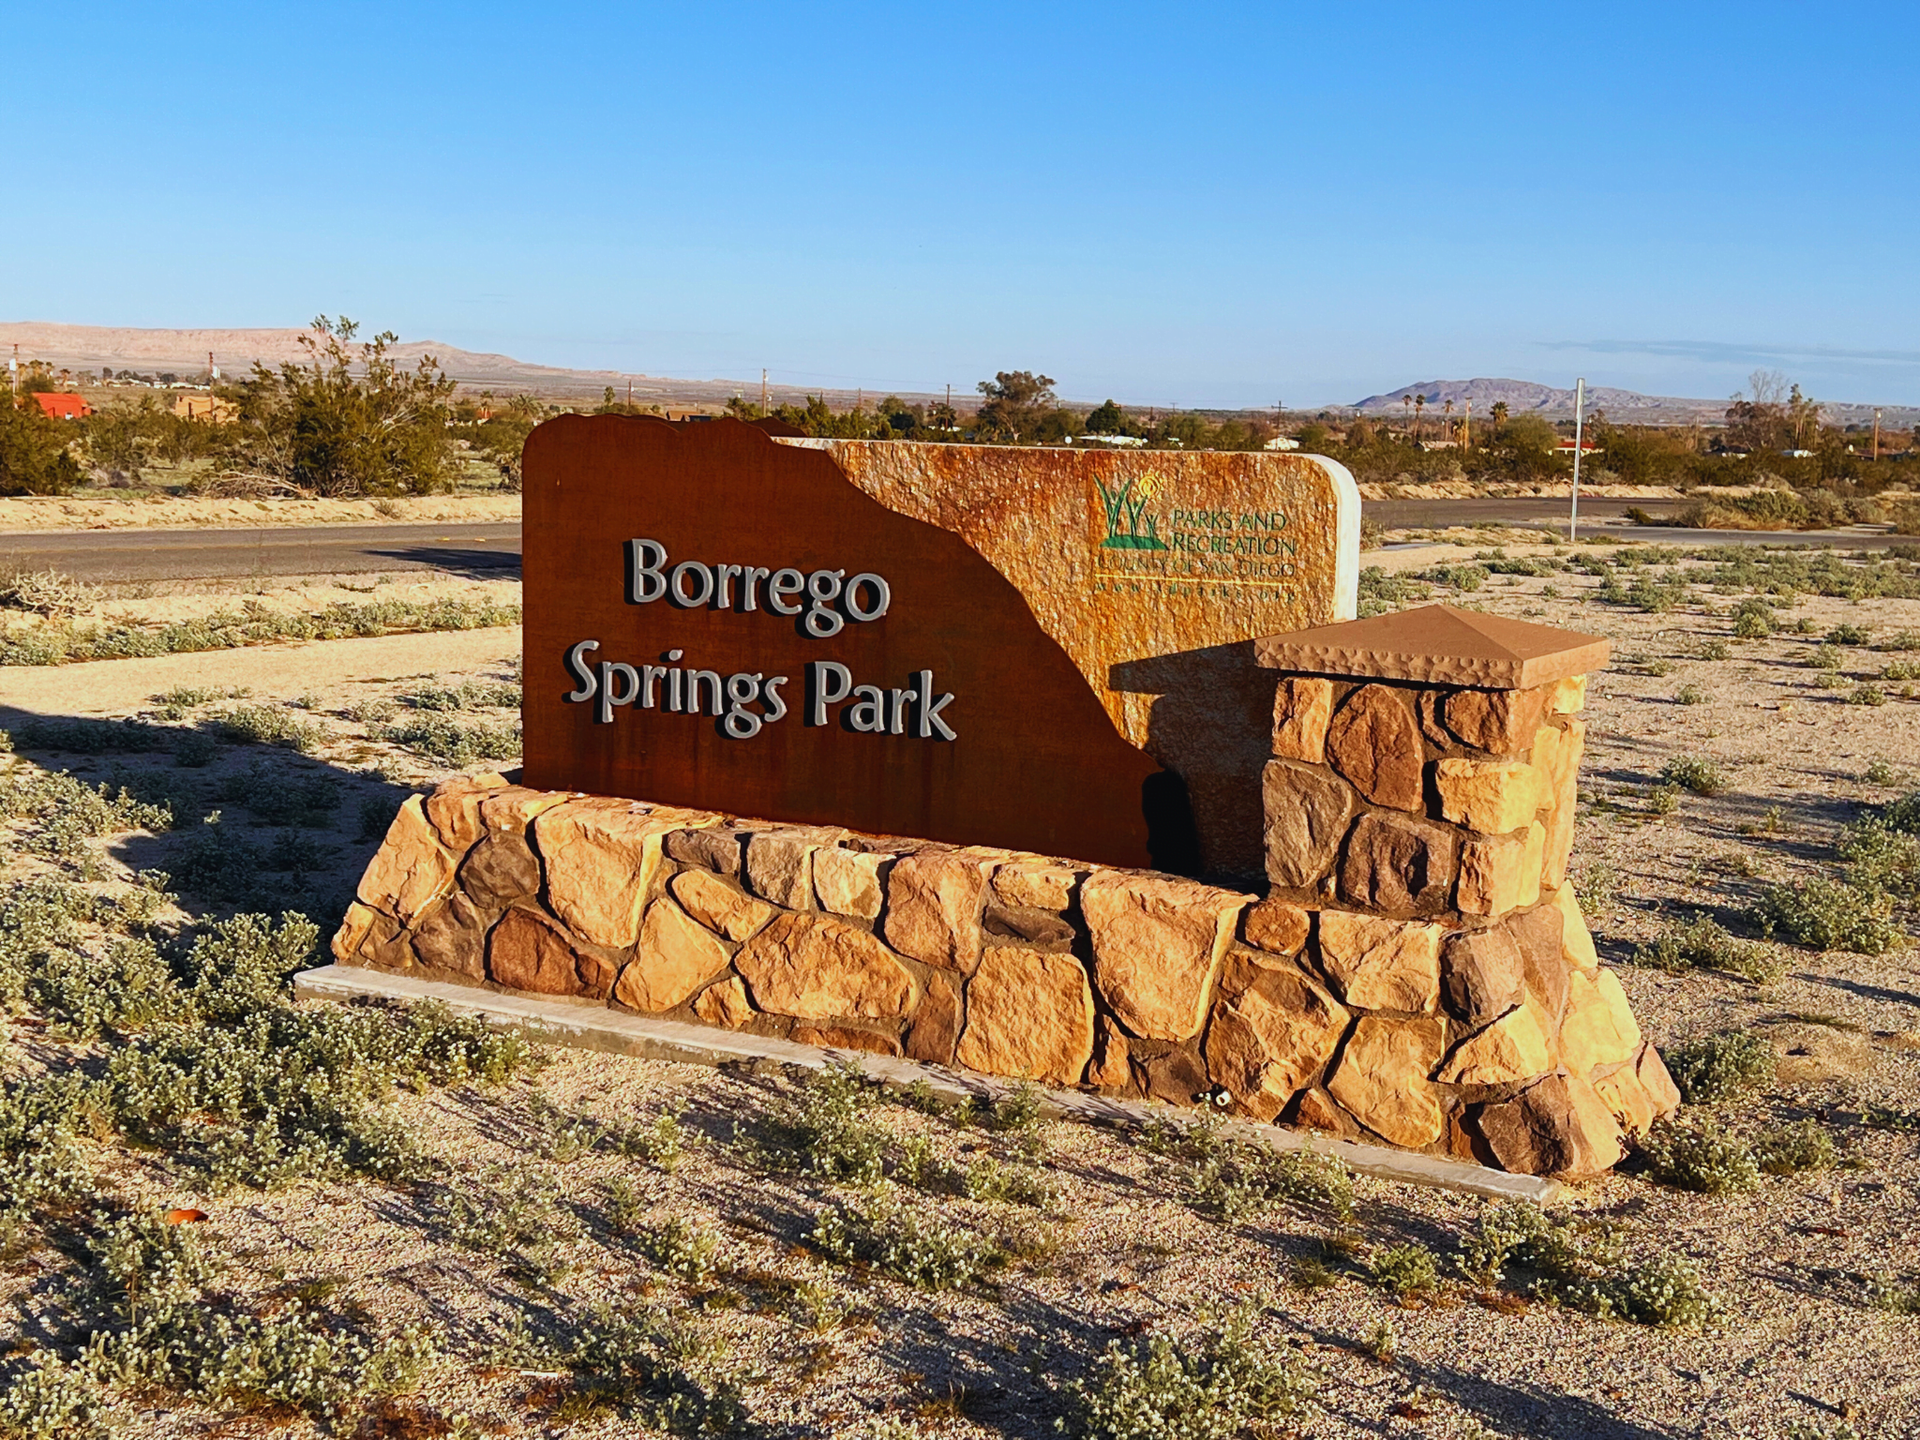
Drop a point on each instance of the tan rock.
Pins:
(1428, 705)
(817, 967)
(1576, 941)
(1157, 946)
(1491, 796)
(676, 957)
(387, 944)
(1599, 1028)
(1533, 852)
(1500, 721)
(452, 936)
(411, 869)
(1557, 1126)
(1568, 696)
(354, 928)
(499, 870)
(934, 900)
(1302, 706)
(1109, 1070)
(1030, 1014)
(1277, 927)
(1514, 1047)
(1381, 964)
(1306, 815)
(454, 810)
(1317, 1112)
(845, 1037)
(1399, 865)
(1654, 1079)
(1491, 867)
(1179, 1078)
(601, 856)
(527, 951)
(935, 1032)
(1375, 743)
(709, 847)
(719, 906)
(1043, 929)
(1557, 752)
(512, 810)
(1035, 884)
(1382, 1079)
(780, 863)
(724, 1004)
(850, 882)
(1269, 1042)
(1627, 1100)
(1543, 965)
(1484, 974)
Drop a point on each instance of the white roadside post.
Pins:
(1579, 408)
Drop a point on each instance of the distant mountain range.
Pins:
(1524, 396)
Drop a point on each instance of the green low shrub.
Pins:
(1714, 1067)
(444, 738)
(1793, 1148)
(1829, 914)
(905, 1240)
(825, 1127)
(1405, 1271)
(1699, 1156)
(1221, 1385)
(1696, 773)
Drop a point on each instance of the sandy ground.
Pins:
(33, 512)
(1799, 1351)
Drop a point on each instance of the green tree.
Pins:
(1108, 419)
(1017, 400)
(33, 452)
(351, 421)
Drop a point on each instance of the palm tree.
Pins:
(1499, 415)
(1419, 404)
(1406, 404)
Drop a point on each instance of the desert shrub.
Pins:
(1867, 695)
(80, 736)
(825, 1127)
(1904, 814)
(651, 1366)
(1664, 1291)
(376, 815)
(468, 695)
(1753, 620)
(1828, 680)
(1404, 1271)
(217, 862)
(500, 1211)
(1696, 773)
(905, 1240)
(1239, 1178)
(1790, 1149)
(1381, 592)
(1716, 1066)
(1014, 1111)
(1221, 1385)
(1879, 772)
(1699, 1156)
(280, 795)
(268, 725)
(45, 1398)
(1879, 857)
(194, 749)
(1701, 943)
(1714, 650)
(683, 1248)
(1849, 635)
(1827, 657)
(1830, 915)
(1464, 578)
(661, 1142)
(1578, 1263)
(1690, 695)
(989, 1181)
(444, 738)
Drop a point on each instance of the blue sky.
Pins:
(1219, 204)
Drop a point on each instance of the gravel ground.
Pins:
(1121, 1251)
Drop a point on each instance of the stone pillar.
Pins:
(1419, 813)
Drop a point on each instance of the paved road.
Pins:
(107, 556)
(110, 556)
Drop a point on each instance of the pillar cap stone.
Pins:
(1438, 644)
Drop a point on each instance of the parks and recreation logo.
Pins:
(1147, 532)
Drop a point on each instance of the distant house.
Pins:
(1587, 447)
(1283, 442)
(63, 405)
(204, 407)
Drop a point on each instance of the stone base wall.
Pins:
(1500, 1041)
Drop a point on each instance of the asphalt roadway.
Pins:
(483, 551)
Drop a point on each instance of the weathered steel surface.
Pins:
(1036, 762)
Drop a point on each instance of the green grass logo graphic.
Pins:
(1126, 511)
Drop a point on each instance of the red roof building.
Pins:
(63, 406)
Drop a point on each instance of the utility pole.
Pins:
(1876, 434)
(1579, 416)
(1466, 429)
(763, 390)
(629, 394)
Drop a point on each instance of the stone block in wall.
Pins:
(1514, 1047)
(1485, 974)
(1374, 742)
(1044, 928)
(721, 907)
(1569, 696)
(1029, 1013)
(500, 871)
(845, 1037)
(1491, 796)
(1384, 1079)
(1576, 941)
(677, 955)
(1502, 722)
(511, 810)
(716, 848)
(1539, 935)
(1276, 926)
(1599, 1028)
(1639, 1092)
(411, 869)
(1302, 708)
(935, 1032)
(819, 967)
(779, 863)
(527, 951)
(1157, 946)
(1399, 865)
(1178, 1077)
(1307, 811)
(1378, 964)
(724, 1004)
(934, 900)
(851, 882)
(1035, 884)
(452, 937)
(1493, 874)
(1557, 1126)
(1271, 1037)
(355, 926)
(600, 857)
(1109, 1069)
(454, 809)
